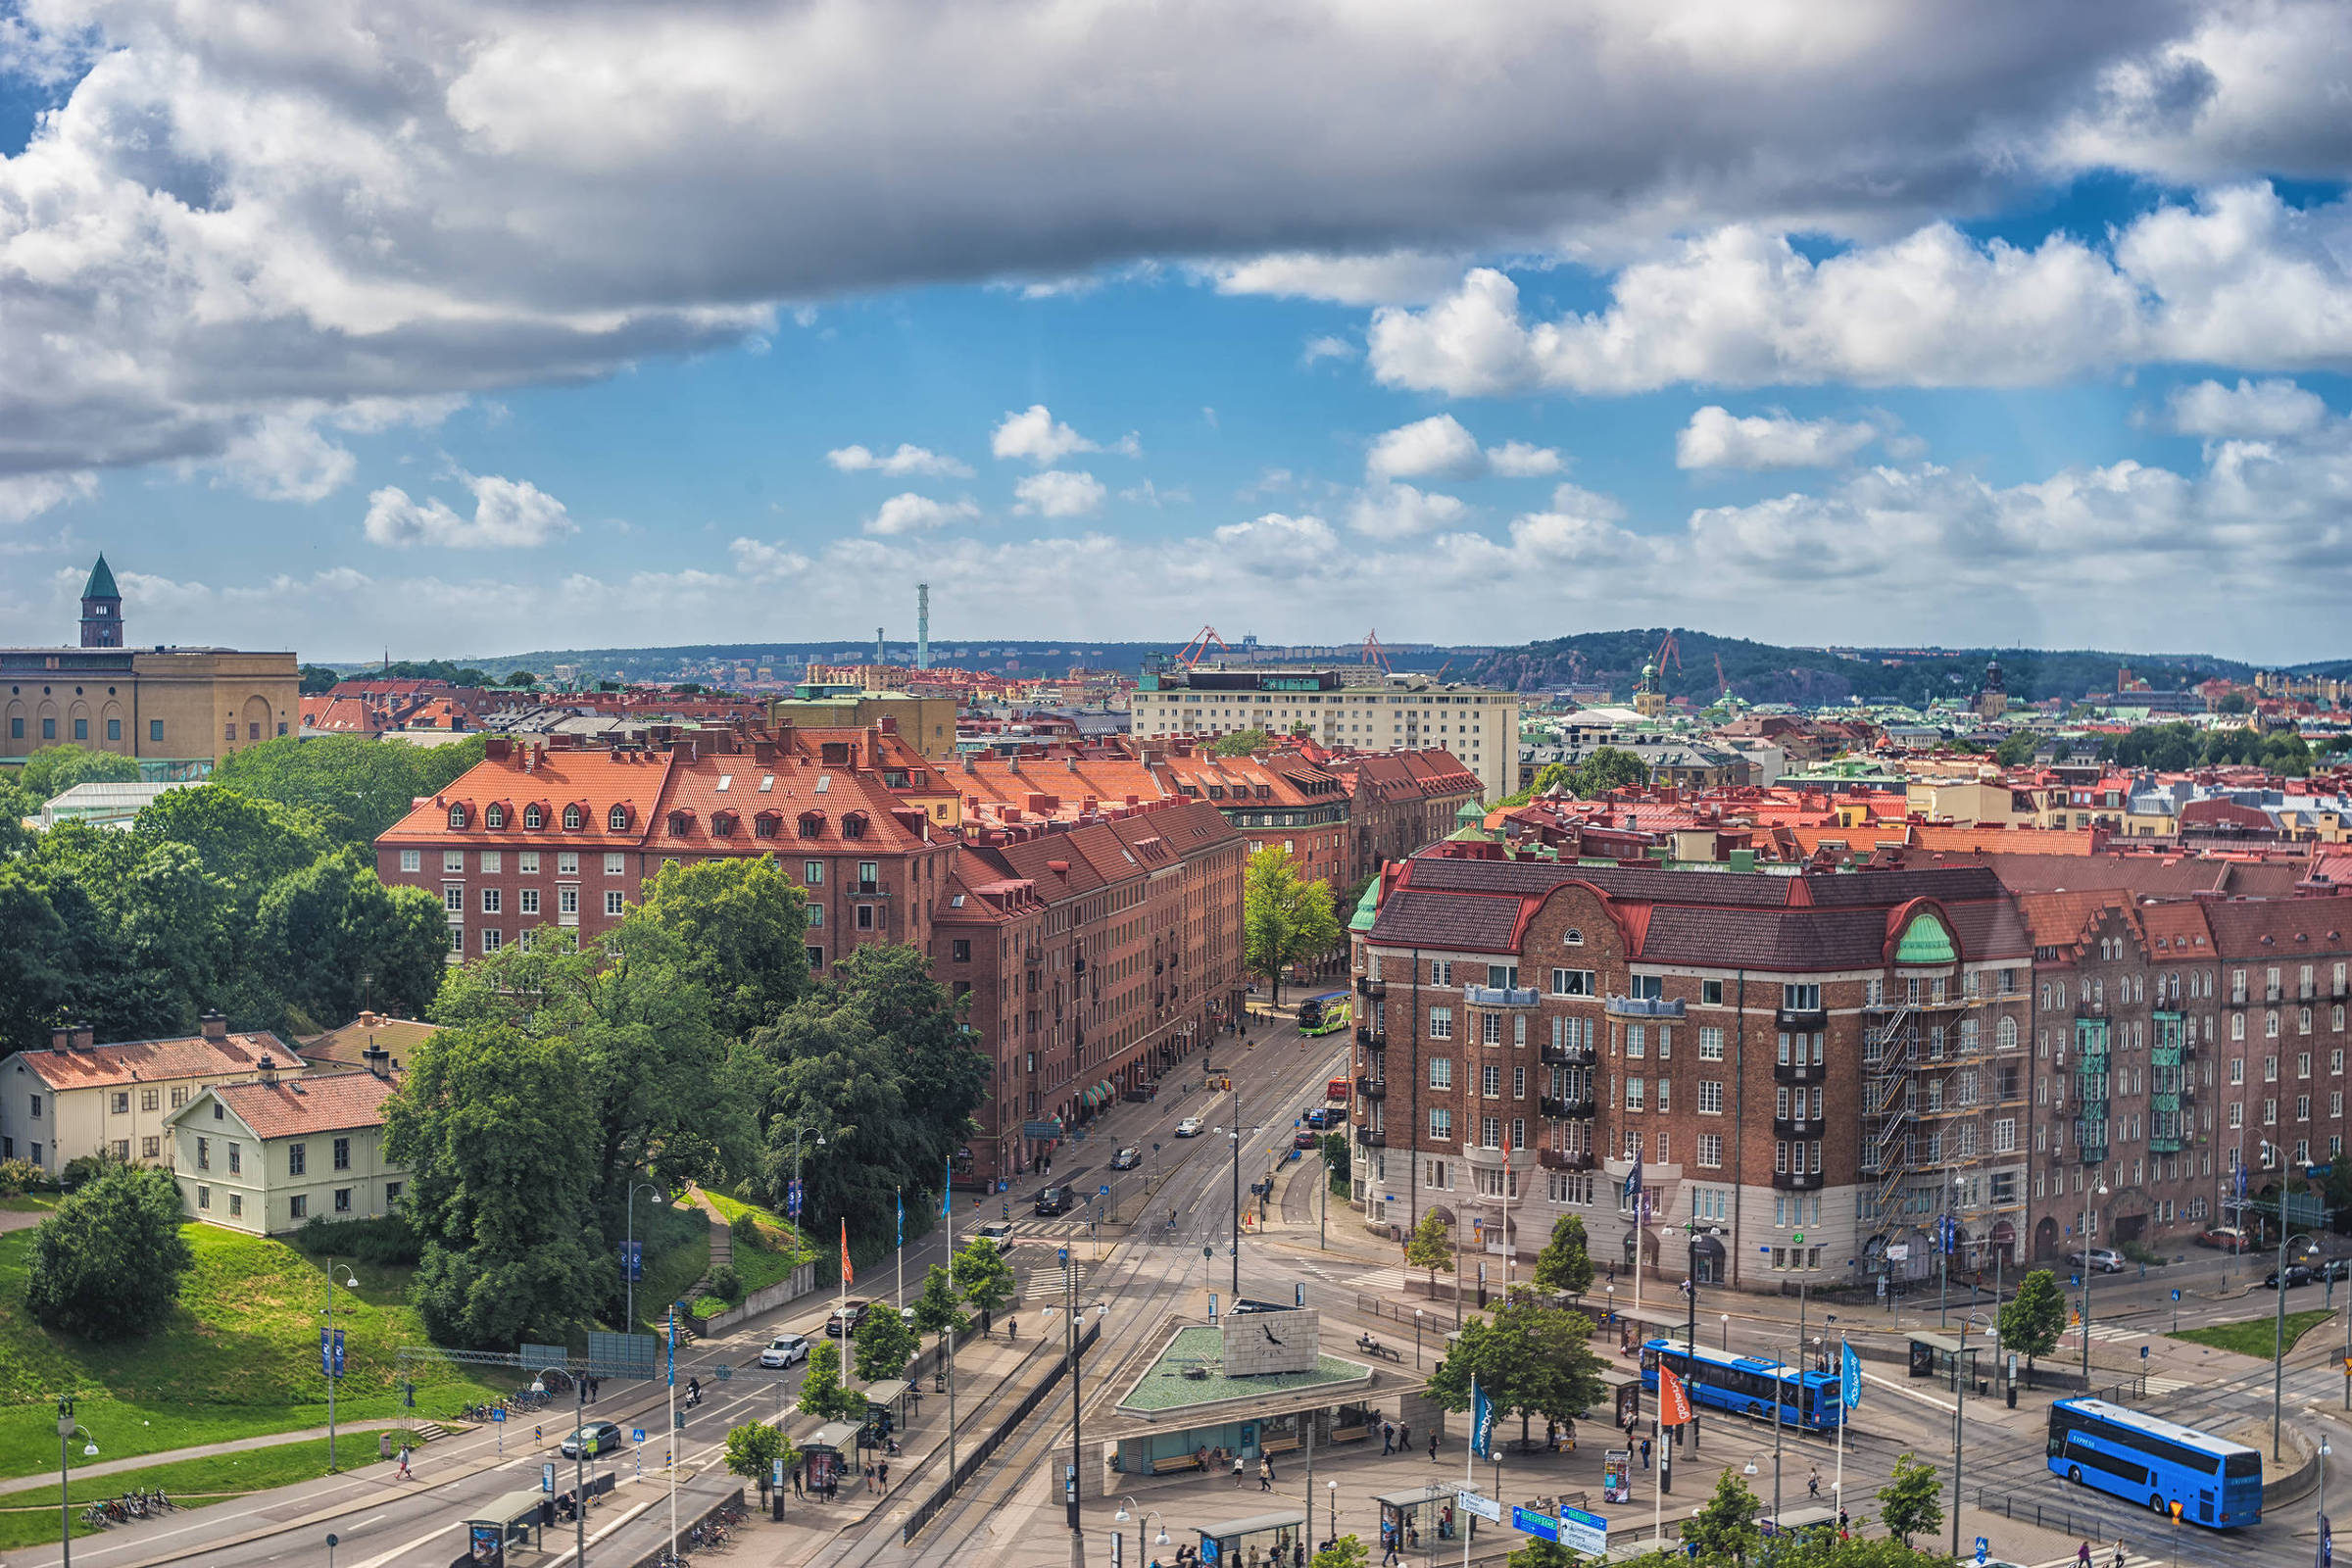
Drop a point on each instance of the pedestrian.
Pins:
(1813, 1485)
(1265, 1475)
(1388, 1546)
(882, 1474)
(2083, 1554)
(1404, 1438)
(1012, 1328)
(1237, 1469)
(1433, 1447)
(796, 1482)
(2119, 1552)
(1644, 1454)
(405, 1476)
(869, 1478)
(1387, 1437)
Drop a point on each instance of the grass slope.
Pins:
(2256, 1336)
(30, 1518)
(677, 1252)
(237, 1357)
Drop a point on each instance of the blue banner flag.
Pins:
(947, 1192)
(792, 1198)
(1482, 1420)
(1633, 1183)
(902, 1198)
(1851, 1368)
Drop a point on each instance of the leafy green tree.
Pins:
(822, 1392)
(1531, 1358)
(1725, 1525)
(984, 1276)
(1564, 1264)
(54, 770)
(497, 1130)
(744, 930)
(107, 1264)
(1608, 768)
(245, 842)
(353, 787)
(1542, 1554)
(938, 1310)
(317, 680)
(1336, 1158)
(1347, 1552)
(753, 1449)
(1285, 918)
(885, 1345)
(1911, 1503)
(2032, 1320)
(522, 678)
(1430, 1247)
(2016, 749)
(1240, 743)
(33, 958)
(336, 938)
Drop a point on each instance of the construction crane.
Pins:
(1197, 649)
(1672, 646)
(1376, 654)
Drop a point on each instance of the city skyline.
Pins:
(2036, 339)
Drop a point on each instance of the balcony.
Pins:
(1798, 1181)
(1567, 1107)
(2094, 1010)
(1643, 1008)
(1372, 1137)
(1370, 987)
(1371, 1038)
(1565, 1159)
(1501, 996)
(1797, 1127)
(1372, 1088)
(1078, 964)
(1801, 1018)
(870, 890)
(1799, 1072)
(1566, 1055)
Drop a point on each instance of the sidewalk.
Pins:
(362, 1451)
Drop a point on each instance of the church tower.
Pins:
(101, 610)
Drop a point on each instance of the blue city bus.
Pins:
(2144, 1460)
(1747, 1385)
(1325, 1014)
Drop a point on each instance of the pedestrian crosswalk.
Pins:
(2107, 1335)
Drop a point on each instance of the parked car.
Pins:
(1053, 1201)
(2296, 1274)
(1317, 1116)
(2104, 1261)
(597, 1436)
(997, 1230)
(784, 1349)
(1305, 1137)
(1127, 1158)
(1190, 1127)
(2228, 1238)
(843, 1318)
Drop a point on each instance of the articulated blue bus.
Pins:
(1747, 1385)
(2144, 1460)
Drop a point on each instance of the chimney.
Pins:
(84, 1038)
(61, 1038)
(268, 1071)
(377, 1060)
(214, 1025)
(497, 748)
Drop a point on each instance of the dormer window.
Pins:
(457, 815)
(533, 819)
(853, 825)
(618, 818)
(573, 820)
(681, 823)
(765, 824)
(494, 817)
(812, 824)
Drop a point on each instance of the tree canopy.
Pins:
(2032, 1321)
(1286, 919)
(885, 1344)
(1430, 1247)
(54, 770)
(107, 1265)
(1565, 1265)
(352, 787)
(1724, 1527)
(1911, 1503)
(1531, 1358)
(984, 1276)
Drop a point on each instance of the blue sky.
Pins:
(1958, 325)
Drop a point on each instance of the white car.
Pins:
(2104, 1259)
(784, 1350)
(1190, 1127)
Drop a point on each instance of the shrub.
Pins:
(83, 1169)
(749, 1232)
(385, 1240)
(19, 1177)
(107, 1264)
(727, 1285)
(2141, 1253)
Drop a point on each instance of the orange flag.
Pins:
(1673, 1402)
(845, 1276)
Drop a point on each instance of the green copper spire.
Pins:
(102, 582)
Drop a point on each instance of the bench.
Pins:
(1368, 1347)
(1175, 1463)
(1277, 1445)
(1349, 1433)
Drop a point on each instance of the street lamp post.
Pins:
(1959, 1409)
(2095, 1187)
(1150, 1514)
(1727, 1333)
(629, 1268)
(1235, 1138)
(1069, 1278)
(66, 1428)
(1416, 1339)
(2278, 1339)
(579, 1458)
(328, 1358)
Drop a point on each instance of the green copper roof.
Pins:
(1470, 813)
(1926, 940)
(102, 582)
(1366, 907)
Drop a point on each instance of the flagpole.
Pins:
(848, 1367)
(1845, 1414)
(673, 1451)
(947, 1210)
(898, 1291)
(1469, 1472)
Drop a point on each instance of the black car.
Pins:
(1053, 1201)
(2296, 1274)
(1127, 1158)
(1316, 1116)
(597, 1436)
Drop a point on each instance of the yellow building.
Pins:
(927, 724)
(177, 709)
(272, 1156)
(79, 1097)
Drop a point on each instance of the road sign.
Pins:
(547, 1477)
(498, 1415)
(1542, 1526)
(1485, 1508)
(1584, 1532)
(1983, 1549)
(1103, 1191)
(776, 1472)
(2175, 1295)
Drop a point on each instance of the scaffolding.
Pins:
(1929, 1093)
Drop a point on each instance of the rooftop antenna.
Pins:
(923, 625)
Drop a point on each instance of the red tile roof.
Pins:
(156, 1060)
(291, 1107)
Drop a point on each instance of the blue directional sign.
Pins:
(1103, 1191)
(1584, 1532)
(1542, 1526)
(2176, 1295)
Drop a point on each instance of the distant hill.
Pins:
(1767, 672)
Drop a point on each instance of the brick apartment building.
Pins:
(1813, 1070)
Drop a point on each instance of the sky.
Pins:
(446, 327)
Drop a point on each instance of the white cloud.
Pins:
(913, 514)
(1035, 434)
(1327, 348)
(2258, 409)
(1715, 438)
(507, 514)
(1400, 512)
(1439, 447)
(906, 460)
(284, 457)
(1060, 493)
(2238, 278)
(24, 497)
(763, 563)
(1400, 277)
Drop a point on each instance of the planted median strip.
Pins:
(2256, 1336)
(30, 1518)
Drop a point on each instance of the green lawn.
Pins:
(769, 1261)
(2256, 1336)
(30, 1518)
(677, 1252)
(237, 1357)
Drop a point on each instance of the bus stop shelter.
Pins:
(831, 1452)
(888, 1408)
(1414, 1514)
(1938, 1357)
(1225, 1544)
(516, 1520)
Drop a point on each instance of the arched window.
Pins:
(494, 817)
(573, 820)
(456, 817)
(853, 825)
(1574, 938)
(680, 823)
(618, 818)
(533, 819)
(2004, 1034)
(812, 824)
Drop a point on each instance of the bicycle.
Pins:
(95, 1517)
